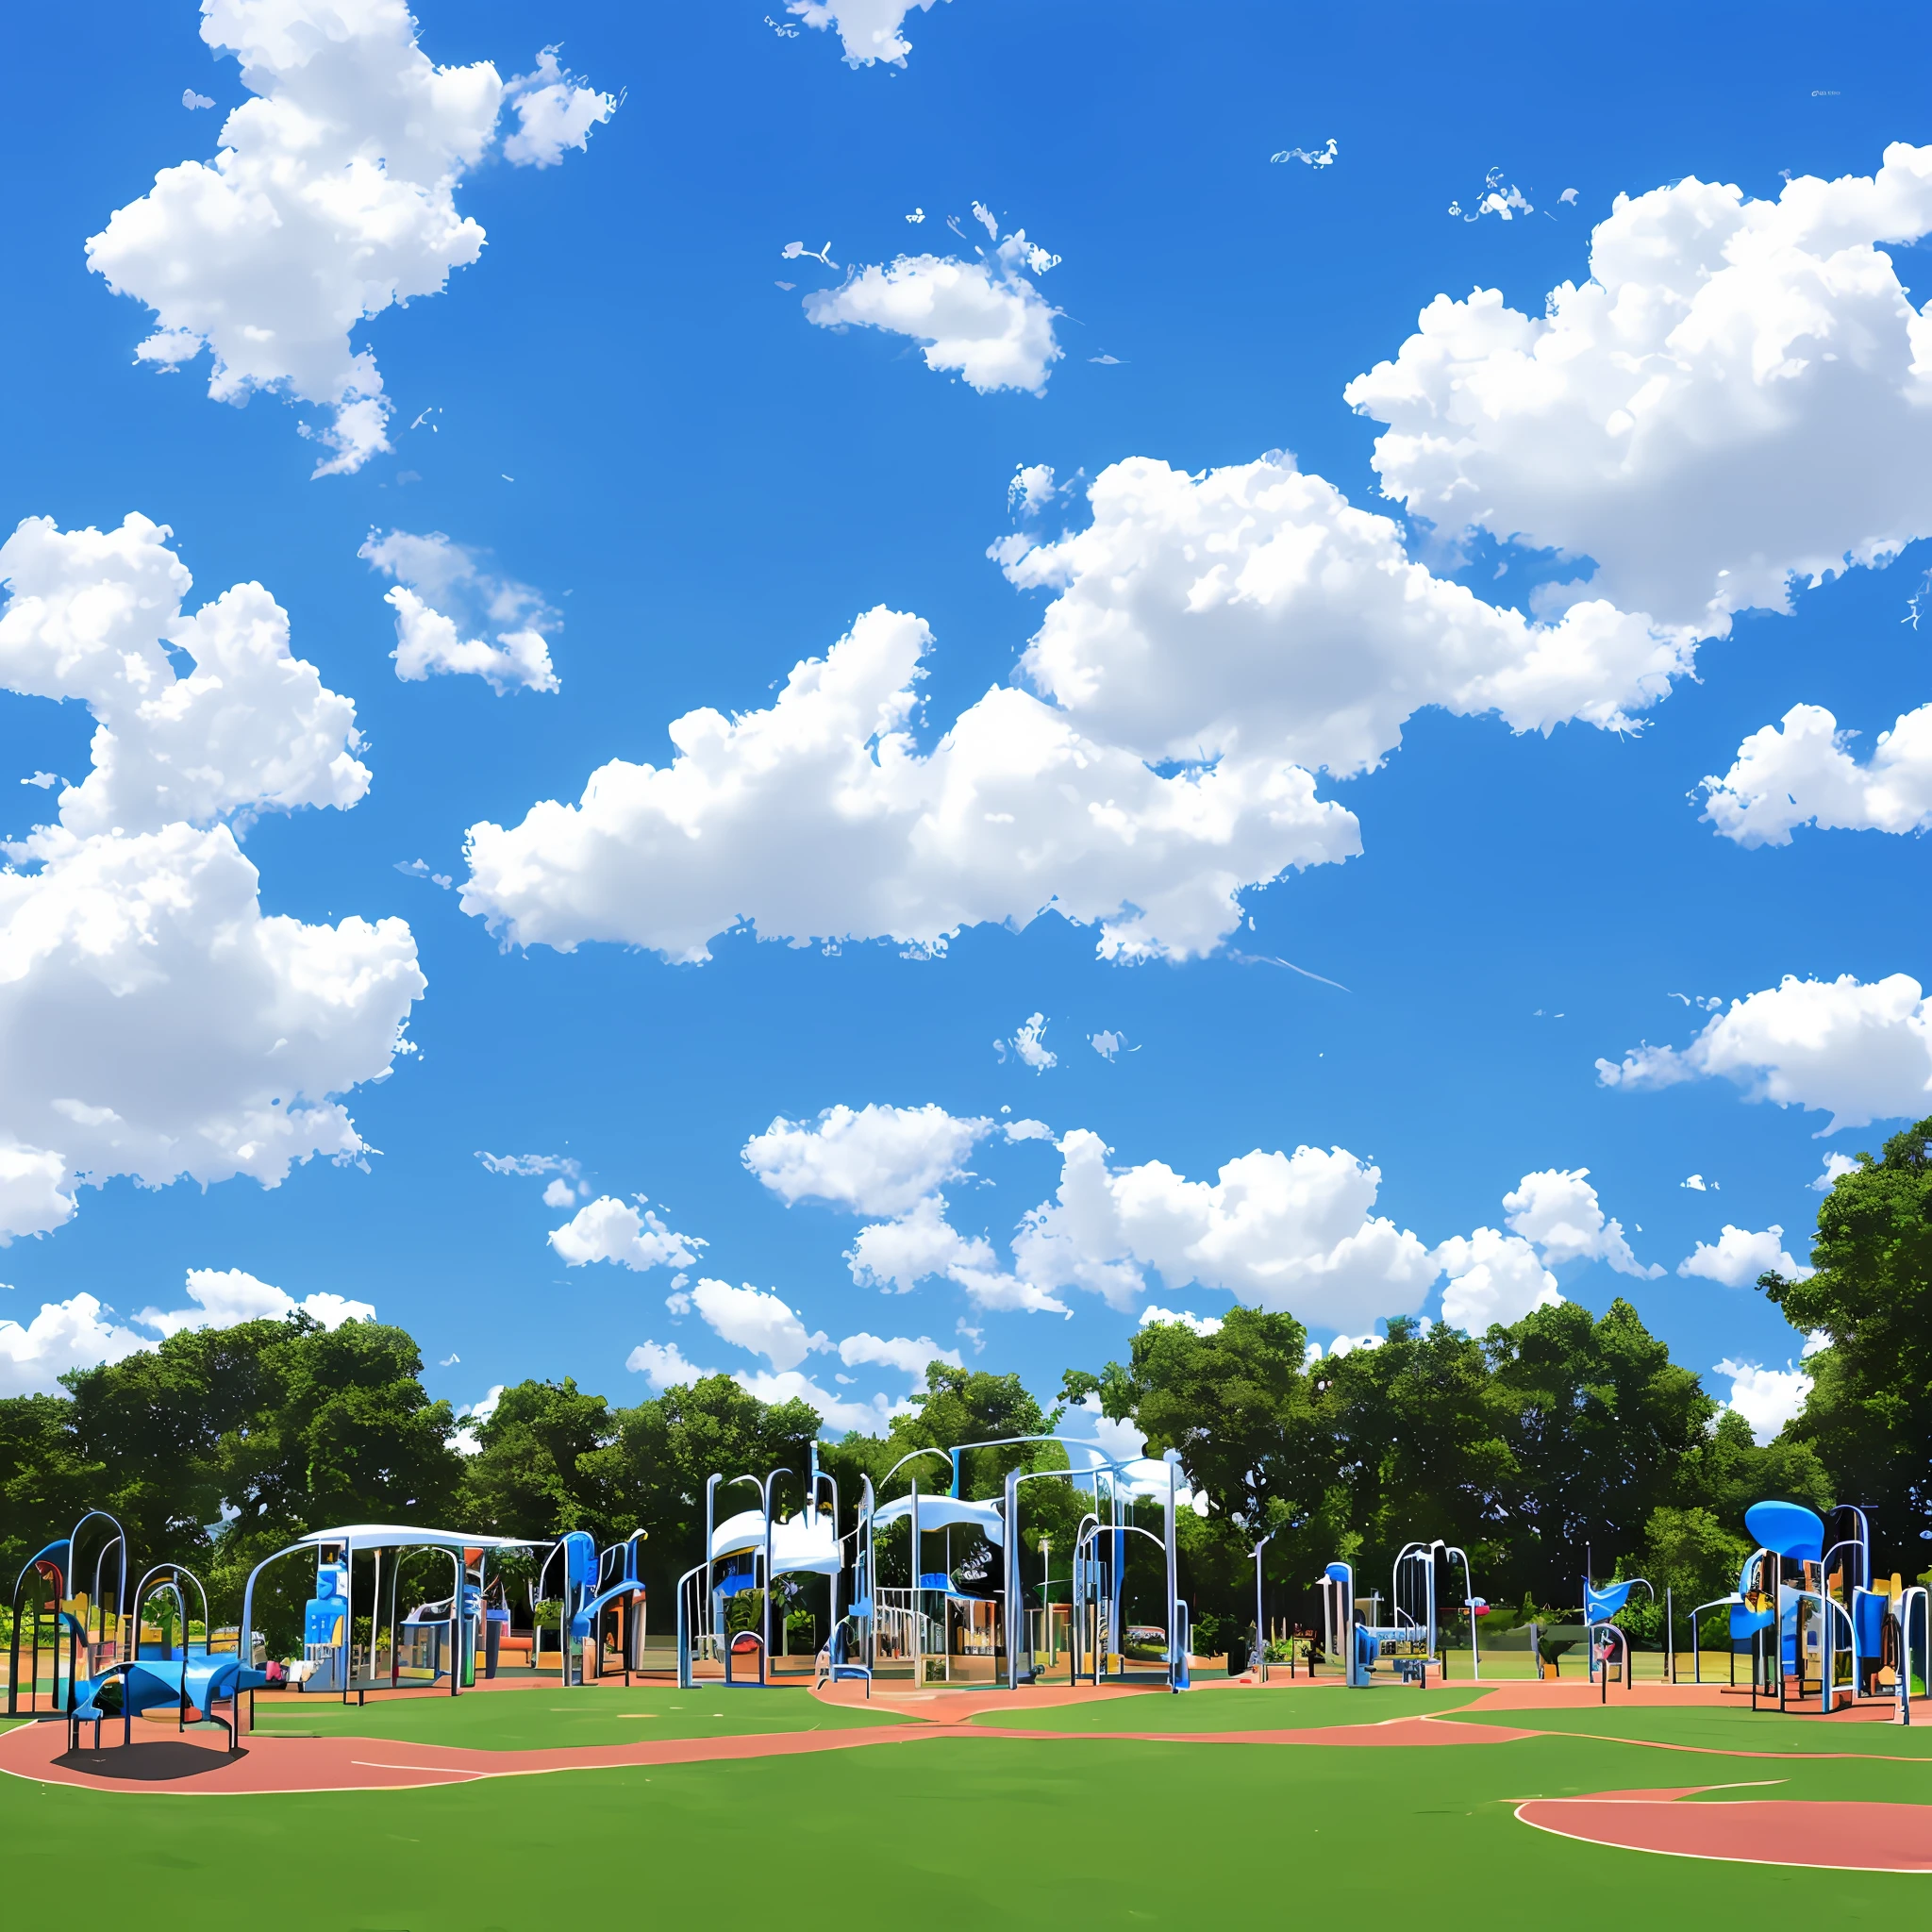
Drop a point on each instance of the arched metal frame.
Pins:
(699, 1619)
(396, 1537)
(65, 1569)
(1590, 1628)
(168, 1576)
(1179, 1636)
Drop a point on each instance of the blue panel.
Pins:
(1787, 1529)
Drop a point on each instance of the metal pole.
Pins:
(1670, 1633)
(917, 1656)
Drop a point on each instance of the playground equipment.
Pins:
(1410, 1642)
(436, 1641)
(73, 1627)
(1100, 1645)
(805, 1544)
(601, 1596)
(190, 1679)
(1599, 1608)
(1818, 1622)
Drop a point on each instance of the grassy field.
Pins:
(1240, 1711)
(546, 1718)
(963, 1830)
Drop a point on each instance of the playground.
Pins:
(992, 1750)
(1481, 1805)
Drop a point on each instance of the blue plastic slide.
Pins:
(159, 1683)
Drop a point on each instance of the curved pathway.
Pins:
(1843, 1836)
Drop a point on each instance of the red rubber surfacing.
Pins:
(198, 1763)
(1847, 1836)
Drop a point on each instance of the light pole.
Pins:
(1260, 1637)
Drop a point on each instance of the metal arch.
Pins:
(1450, 1550)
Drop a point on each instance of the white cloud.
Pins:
(1803, 773)
(555, 110)
(1108, 1044)
(153, 1023)
(1558, 1210)
(1275, 1230)
(472, 1416)
(1028, 1045)
(559, 1193)
(1863, 1052)
(899, 1352)
(982, 319)
(1696, 1183)
(332, 199)
(1737, 394)
(1346, 1344)
(880, 1160)
(818, 819)
(896, 1255)
(428, 640)
(664, 1366)
(94, 616)
(191, 100)
(63, 1335)
(1739, 1255)
(1031, 489)
(868, 29)
(1201, 1324)
(1834, 1164)
(529, 1165)
(608, 1230)
(1498, 197)
(1311, 157)
(1026, 1130)
(1253, 610)
(224, 1298)
(1766, 1398)
(1117, 1441)
(756, 1320)
(1493, 1277)
(788, 1385)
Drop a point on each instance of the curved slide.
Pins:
(581, 1624)
(158, 1683)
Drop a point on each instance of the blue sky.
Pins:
(619, 407)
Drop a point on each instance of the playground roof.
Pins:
(940, 1512)
(400, 1536)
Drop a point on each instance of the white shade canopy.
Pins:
(801, 1544)
(401, 1536)
(944, 1512)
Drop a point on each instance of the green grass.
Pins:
(546, 1718)
(956, 1832)
(1238, 1710)
(1725, 1729)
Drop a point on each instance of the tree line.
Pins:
(1536, 1445)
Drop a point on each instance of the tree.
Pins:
(1869, 1415)
(1422, 1451)
(1241, 1412)
(665, 1450)
(537, 1471)
(1603, 1427)
(44, 1481)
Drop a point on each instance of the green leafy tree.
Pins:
(538, 1470)
(1422, 1451)
(45, 1483)
(1245, 1421)
(1869, 1416)
(1603, 1427)
(665, 1451)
